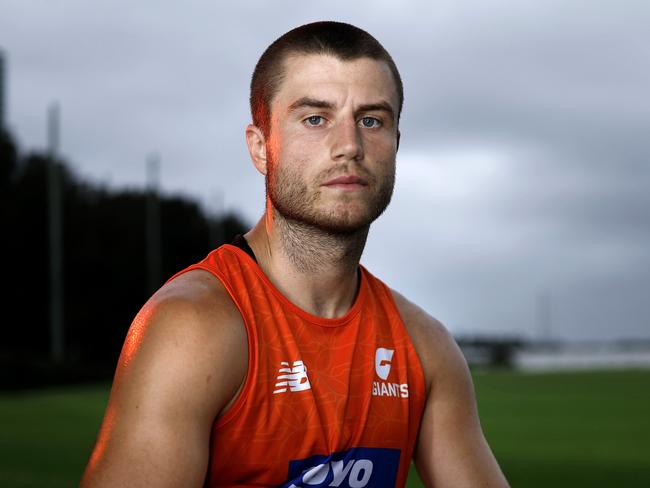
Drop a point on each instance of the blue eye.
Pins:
(370, 122)
(314, 120)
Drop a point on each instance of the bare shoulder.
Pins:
(451, 449)
(195, 304)
(183, 361)
(434, 344)
(194, 291)
(190, 321)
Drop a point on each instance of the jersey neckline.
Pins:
(314, 319)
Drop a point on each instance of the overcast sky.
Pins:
(524, 165)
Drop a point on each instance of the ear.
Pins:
(398, 137)
(256, 147)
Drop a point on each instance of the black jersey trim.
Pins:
(241, 242)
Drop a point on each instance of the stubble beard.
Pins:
(314, 238)
(297, 205)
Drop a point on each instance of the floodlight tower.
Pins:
(152, 225)
(3, 127)
(55, 231)
(543, 315)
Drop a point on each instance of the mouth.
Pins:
(347, 182)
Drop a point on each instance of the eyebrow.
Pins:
(309, 102)
(377, 107)
(303, 102)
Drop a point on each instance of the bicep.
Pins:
(138, 450)
(168, 388)
(452, 450)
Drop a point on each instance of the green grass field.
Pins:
(547, 430)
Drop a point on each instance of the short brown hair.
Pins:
(344, 41)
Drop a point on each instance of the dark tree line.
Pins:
(105, 266)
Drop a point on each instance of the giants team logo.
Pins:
(383, 361)
(354, 468)
(292, 378)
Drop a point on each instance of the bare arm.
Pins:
(183, 361)
(451, 450)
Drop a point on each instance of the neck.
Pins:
(314, 251)
(315, 269)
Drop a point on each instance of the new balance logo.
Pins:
(292, 378)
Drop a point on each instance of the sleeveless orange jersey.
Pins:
(326, 402)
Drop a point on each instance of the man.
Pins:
(279, 360)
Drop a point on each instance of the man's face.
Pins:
(332, 144)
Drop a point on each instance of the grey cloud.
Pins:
(560, 88)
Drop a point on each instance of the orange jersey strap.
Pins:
(326, 402)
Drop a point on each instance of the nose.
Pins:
(346, 142)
